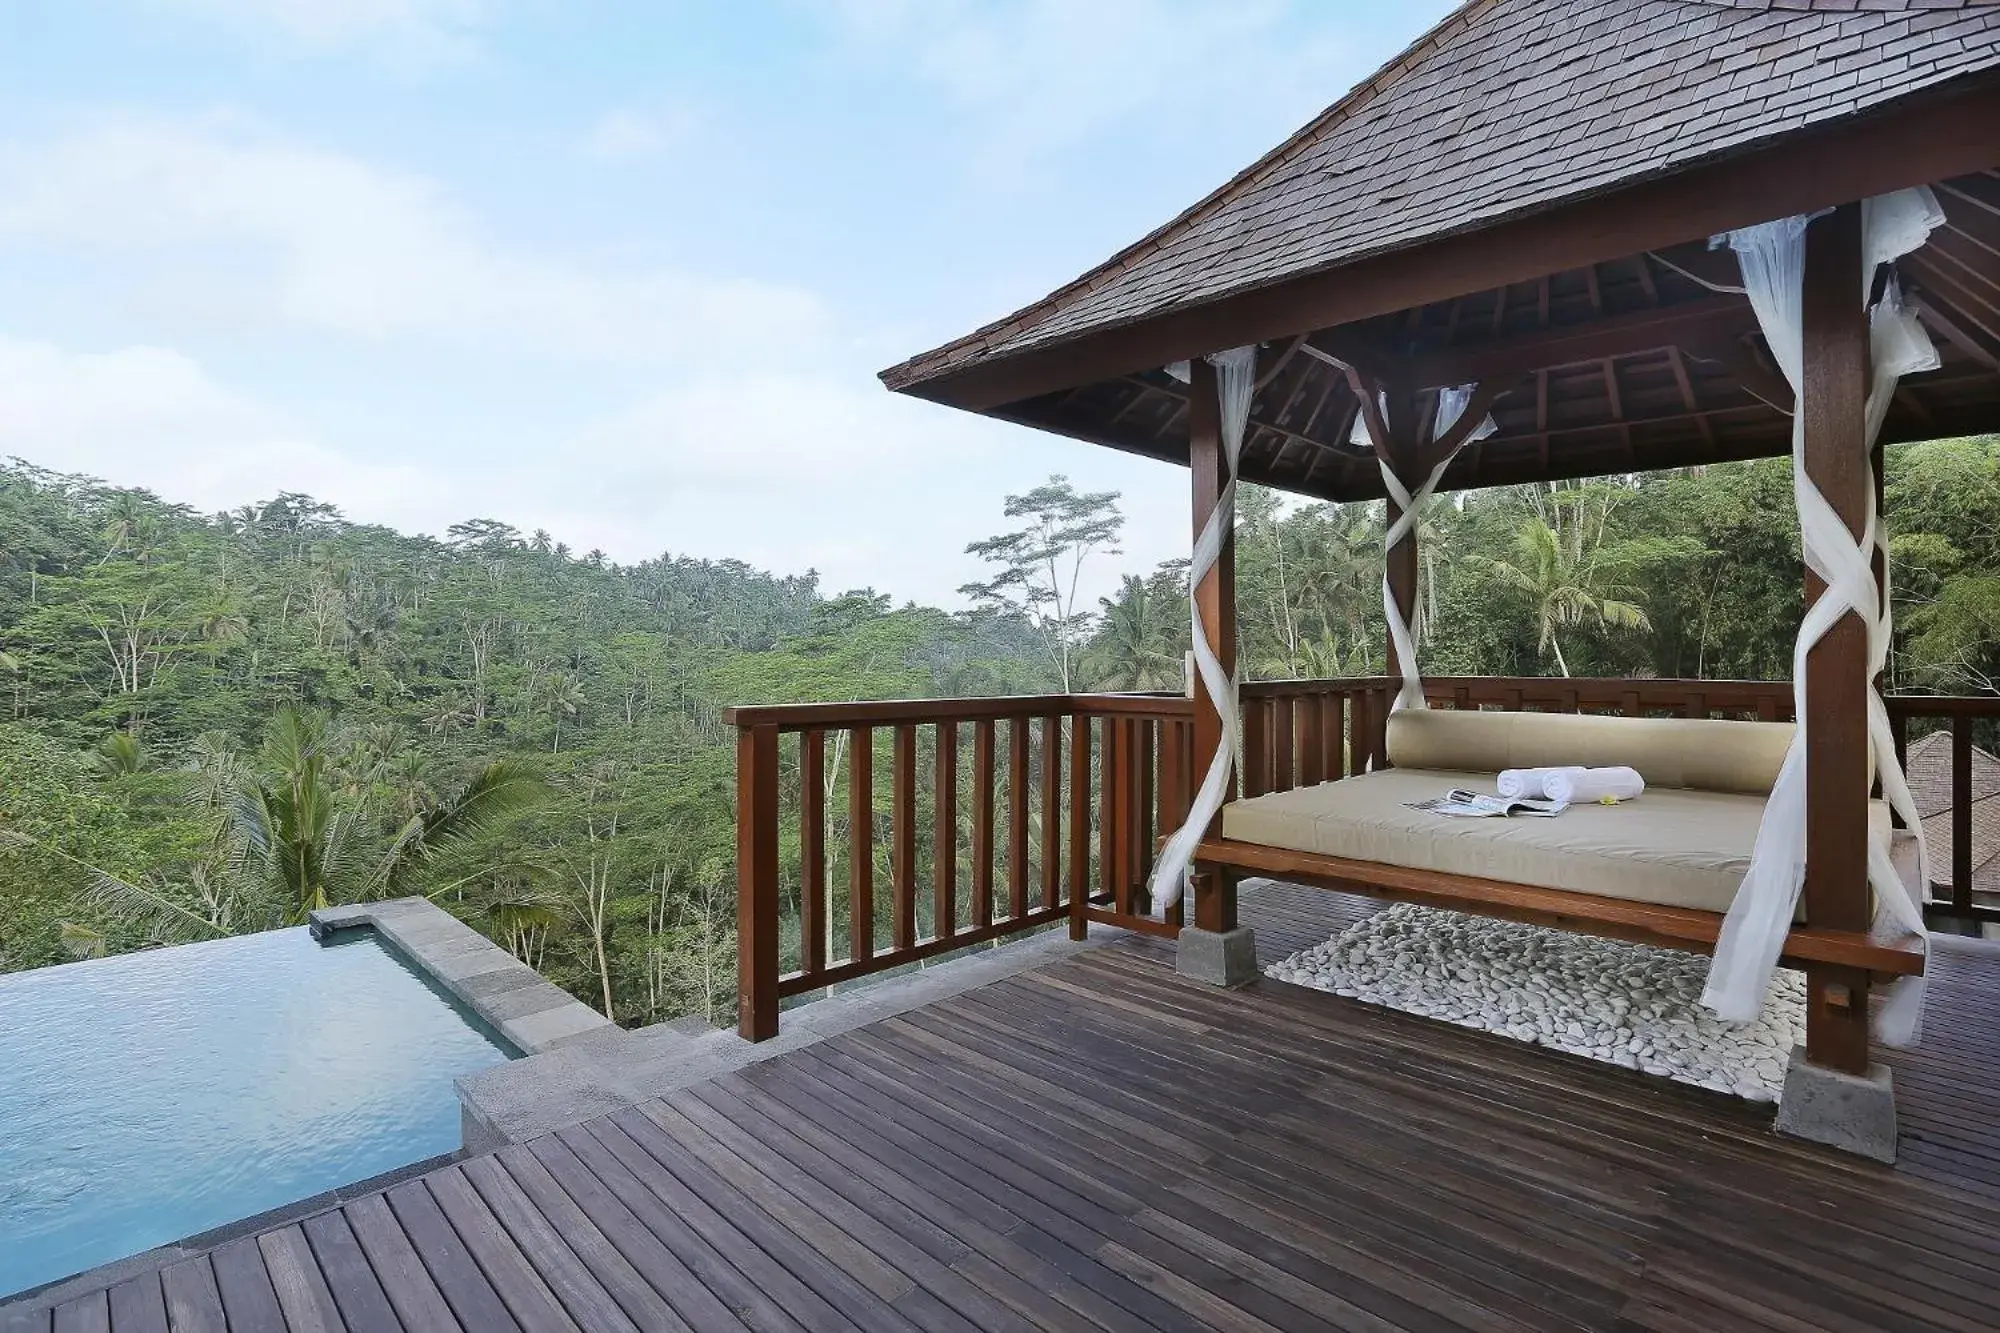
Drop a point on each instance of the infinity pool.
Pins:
(151, 1096)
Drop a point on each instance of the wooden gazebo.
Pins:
(1524, 200)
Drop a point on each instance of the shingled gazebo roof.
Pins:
(1526, 193)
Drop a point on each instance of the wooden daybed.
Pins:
(1661, 870)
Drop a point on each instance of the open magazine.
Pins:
(1463, 804)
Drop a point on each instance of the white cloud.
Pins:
(408, 32)
(257, 229)
(625, 135)
(1043, 76)
(153, 418)
(784, 472)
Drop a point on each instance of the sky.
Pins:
(623, 270)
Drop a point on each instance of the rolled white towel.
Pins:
(1586, 785)
(1516, 783)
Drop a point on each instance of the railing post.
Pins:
(757, 882)
(1079, 825)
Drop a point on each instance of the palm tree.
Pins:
(563, 697)
(1138, 645)
(121, 754)
(288, 839)
(314, 850)
(1569, 579)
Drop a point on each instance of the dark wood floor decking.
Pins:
(1097, 1144)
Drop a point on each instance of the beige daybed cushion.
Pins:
(1672, 846)
(1702, 753)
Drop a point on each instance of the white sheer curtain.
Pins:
(1407, 634)
(1235, 383)
(1772, 257)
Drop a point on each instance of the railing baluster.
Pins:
(944, 835)
(1017, 813)
(1170, 794)
(1961, 814)
(903, 841)
(1312, 740)
(1141, 855)
(757, 882)
(1079, 826)
(1255, 779)
(1052, 743)
(1378, 727)
(1283, 778)
(1110, 808)
(982, 823)
(1333, 715)
(861, 845)
(1899, 732)
(1124, 859)
(812, 852)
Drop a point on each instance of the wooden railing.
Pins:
(871, 836)
(1953, 865)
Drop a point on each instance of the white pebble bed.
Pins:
(1624, 1004)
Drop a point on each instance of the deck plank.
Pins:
(677, 1260)
(788, 1289)
(248, 1298)
(558, 1268)
(405, 1280)
(739, 1154)
(545, 1199)
(300, 1287)
(356, 1292)
(514, 1279)
(193, 1305)
(89, 1313)
(445, 1257)
(137, 1305)
(702, 1294)
(1098, 1144)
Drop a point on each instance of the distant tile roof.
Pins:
(1928, 765)
(1504, 108)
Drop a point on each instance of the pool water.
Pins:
(151, 1096)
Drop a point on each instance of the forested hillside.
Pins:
(217, 722)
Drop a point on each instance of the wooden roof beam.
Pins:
(1578, 344)
(1961, 332)
(1346, 350)
(1743, 366)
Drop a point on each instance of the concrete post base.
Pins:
(1851, 1112)
(1225, 959)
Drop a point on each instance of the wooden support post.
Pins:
(1837, 778)
(1214, 894)
(1402, 454)
(757, 882)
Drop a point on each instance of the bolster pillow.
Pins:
(1705, 754)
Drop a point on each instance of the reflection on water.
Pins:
(151, 1096)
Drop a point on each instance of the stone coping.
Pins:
(531, 1012)
(603, 1072)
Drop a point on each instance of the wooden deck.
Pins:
(1099, 1145)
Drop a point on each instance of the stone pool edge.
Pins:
(531, 1012)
